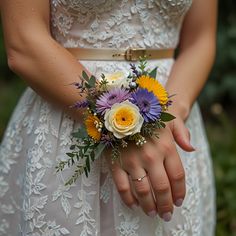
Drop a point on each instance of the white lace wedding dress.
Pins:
(33, 198)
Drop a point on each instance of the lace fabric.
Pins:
(118, 24)
(33, 198)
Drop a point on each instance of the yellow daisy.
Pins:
(92, 126)
(152, 85)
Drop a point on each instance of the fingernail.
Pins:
(193, 148)
(152, 213)
(167, 216)
(179, 202)
(134, 207)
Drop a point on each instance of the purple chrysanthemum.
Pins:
(106, 100)
(148, 104)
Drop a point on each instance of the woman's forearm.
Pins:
(49, 69)
(196, 56)
(189, 74)
(35, 56)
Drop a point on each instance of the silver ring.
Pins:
(140, 179)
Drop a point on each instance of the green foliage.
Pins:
(103, 83)
(142, 64)
(221, 86)
(151, 129)
(83, 153)
(81, 133)
(115, 153)
(153, 73)
(165, 117)
(11, 87)
(10, 93)
(222, 135)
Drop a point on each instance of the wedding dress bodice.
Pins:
(118, 23)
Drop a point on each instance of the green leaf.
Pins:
(70, 154)
(166, 117)
(85, 75)
(98, 150)
(82, 155)
(153, 73)
(92, 155)
(87, 85)
(86, 171)
(92, 81)
(162, 124)
(88, 164)
(81, 133)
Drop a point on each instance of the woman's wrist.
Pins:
(180, 109)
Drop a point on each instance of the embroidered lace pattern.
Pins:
(118, 24)
(33, 198)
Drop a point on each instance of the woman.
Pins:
(153, 180)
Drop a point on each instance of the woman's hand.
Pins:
(157, 160)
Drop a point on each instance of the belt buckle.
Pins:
(134, 54)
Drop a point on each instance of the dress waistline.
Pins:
(130, 54)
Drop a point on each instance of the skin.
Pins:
(49, 69)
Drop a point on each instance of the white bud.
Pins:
(132, 85)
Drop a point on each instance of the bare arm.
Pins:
(197, 52)
(34, 55)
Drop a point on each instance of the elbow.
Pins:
(23, 55)
(19, 60)
(14, 60)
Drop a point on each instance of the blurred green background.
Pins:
(218, 101)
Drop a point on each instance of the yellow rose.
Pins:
(116, 80)
(123, 119)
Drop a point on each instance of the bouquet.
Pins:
(118, 110)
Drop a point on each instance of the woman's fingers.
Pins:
(176, 175)
(162, 190)
(181, 135)
(121, 180)
(156, 180)
(143, 191)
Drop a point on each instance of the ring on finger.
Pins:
(139, 179)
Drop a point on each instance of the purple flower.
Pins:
(169, 103)
(107, 140)
(106, 100)
(80, 104)
(148, 104)
(135, 71)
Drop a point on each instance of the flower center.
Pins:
(124, 117)
(146, 106)
(112, 97)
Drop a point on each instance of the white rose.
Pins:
(123, 119)
(117, 80)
